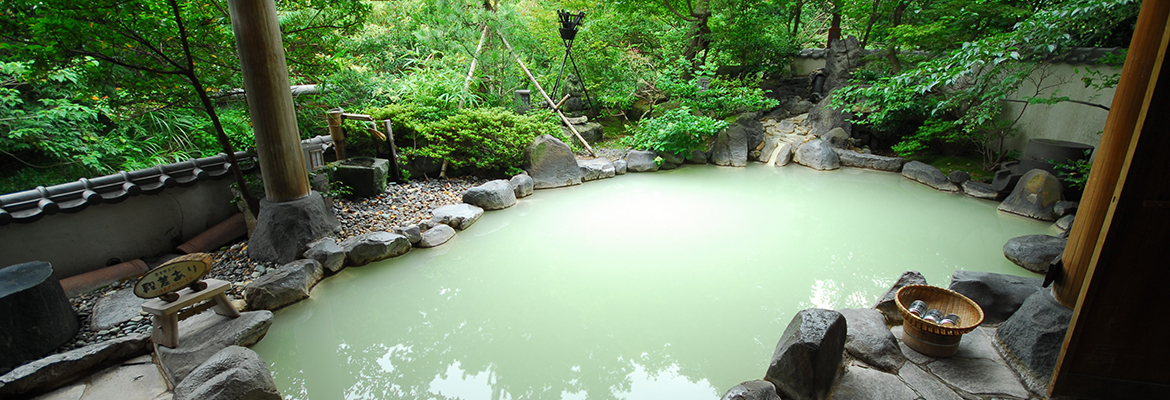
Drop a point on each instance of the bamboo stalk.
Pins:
(544, 94)
(474, 62)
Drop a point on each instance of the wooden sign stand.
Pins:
(174, 286)
(165, 315)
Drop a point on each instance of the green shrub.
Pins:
(488, 141)
(724, 96)
(678, 132)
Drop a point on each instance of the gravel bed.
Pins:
(400, 205)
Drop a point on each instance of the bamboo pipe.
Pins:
(335, 116)
(545, 95)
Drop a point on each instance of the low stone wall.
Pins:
(140, 226)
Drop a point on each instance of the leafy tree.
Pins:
(963, 93)
(150, 55)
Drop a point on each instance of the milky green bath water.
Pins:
(672, 285)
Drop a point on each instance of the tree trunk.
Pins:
(795, 24)
(869, 27)
(892, 49)
(699, 34)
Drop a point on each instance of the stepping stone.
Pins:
(979, 376)
(114, 309)
(927, 385)
(928, 175)
(203, 335)
(458, 216)
(137, 378)
(860, 383)
(50, 372)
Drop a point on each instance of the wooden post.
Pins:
(394, 170)
(335, 132)
(544, 94)
(270, 102)
(1115, 346)
(1115, 142)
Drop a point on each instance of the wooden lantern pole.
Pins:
(270, 102)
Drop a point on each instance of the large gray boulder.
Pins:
(850, 158)
(999, 295)
(619, 167)
(598, 168)
(551, 163)
(697, 157)
(869, 339)
(289, 284)
(234, 373)
(205, 334)
(522, 185)
(929, 175)
(374, 246)
(752, 390)
(493, 195)
(641, 161)
(436, 236)
(327, 252)
(753, 129)
(1034, 196)
(592, 132)
(836, 137)
(114, 309)
(958, 177)
(285, 229)
(887, 305)
(412, 232)
(1031, 339)
(980, 190)
(1034, 252)
(730, 148)
(823, 118)
(818, 155)
(458, 216)
(808, 356)
(59, 369)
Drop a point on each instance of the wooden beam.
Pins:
(1115, 141)
(1113, 349)
(270, 103)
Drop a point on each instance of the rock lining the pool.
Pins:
(858, 354)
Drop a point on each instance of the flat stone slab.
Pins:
(860, 383)
(850, 158)
(928, 386)
(979, 376)
(52, 371)
(436, 236)
(136, 379)
(459, 216)
(114, 309)
(203, 335)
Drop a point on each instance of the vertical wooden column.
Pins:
(1115, 142)
(270, 101)
(1115, 346)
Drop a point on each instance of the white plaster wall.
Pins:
(1064, 121)
(805, 66)
(141, 226)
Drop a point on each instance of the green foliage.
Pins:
(724, 97)
(962, 95)
(677, 132)
(1075, 174)
(489, 141)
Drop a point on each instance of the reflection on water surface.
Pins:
(673, 285)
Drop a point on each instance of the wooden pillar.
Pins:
(270, 100)
(1115, 346)
(1115, 143)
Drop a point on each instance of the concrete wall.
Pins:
(142, 226)
(1064, 121)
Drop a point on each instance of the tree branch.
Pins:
(670, 6)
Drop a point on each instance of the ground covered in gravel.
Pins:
(399, 205)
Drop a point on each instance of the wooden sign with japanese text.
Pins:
(173, 275)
